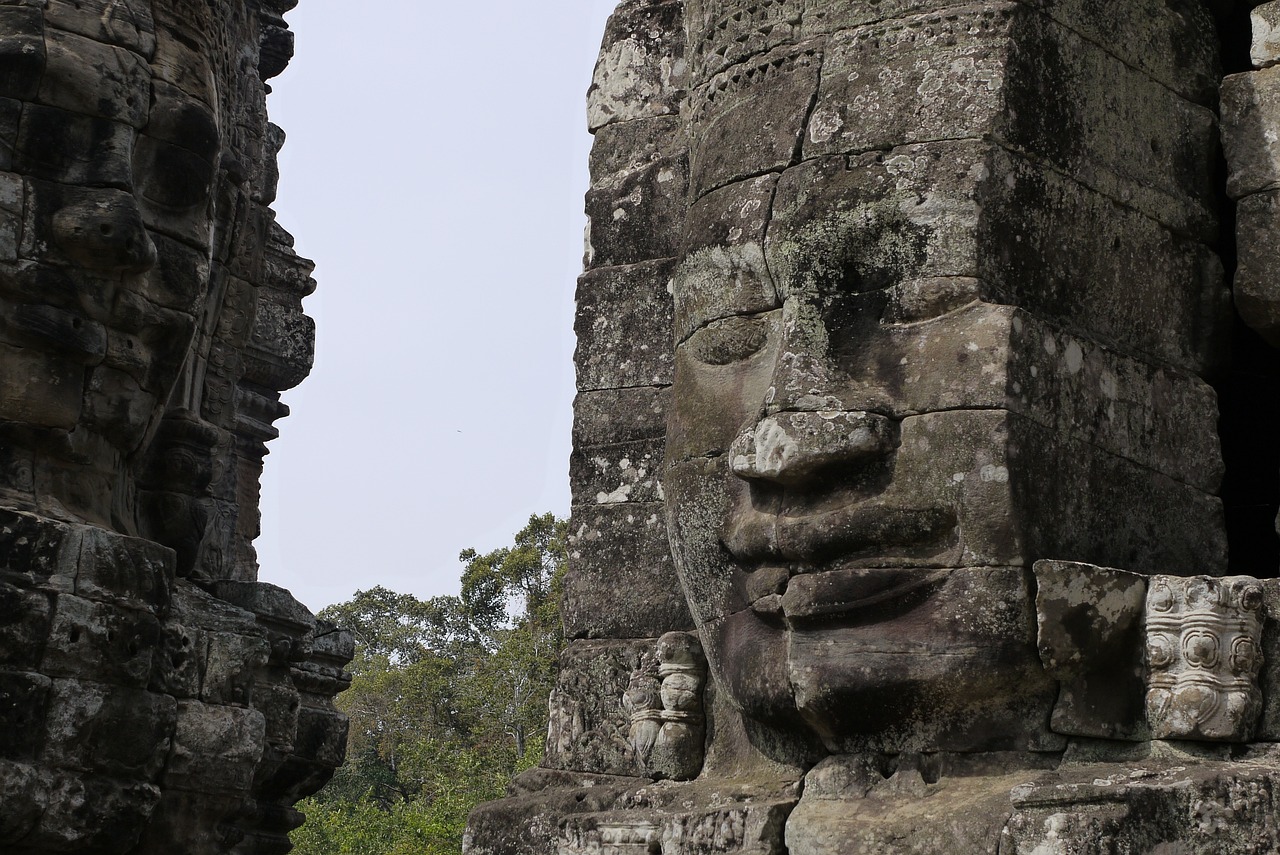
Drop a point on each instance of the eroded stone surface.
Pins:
(946, 300)
(150, 316)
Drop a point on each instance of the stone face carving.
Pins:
(159, 698)
(1204, 653)
(945, 300)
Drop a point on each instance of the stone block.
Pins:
(615, 474)
(1264, 49)
(1257, 281)
(527, 823)
(1006, 71)
(621, 581)
(750, 120)
(178, 661)
(24, 626)
(100, 642)
(1269, 677)
(39, 390)
(974, 210)
(321, 737)
(722, 34)
(23, 50)
(215, 748)
(1125, 281)
(1204, 654)
(231, 667)
(638, 218)
(94, 79)
(124, 570)
(92, 815)
(623, 327)
(641, 72)
(24, 706)
(1251, 131)
(105, 22)
(1089, 632)
(108, 730)
(615, 416)
(25, 796)
(722, 268)
(624, 148)
(59, 145)
(588, 730)
(1175, 46)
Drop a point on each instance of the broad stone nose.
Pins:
(106, 233)
(793, 446)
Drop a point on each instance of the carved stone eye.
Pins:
(729, 340)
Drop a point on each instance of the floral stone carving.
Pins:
(1204, 652)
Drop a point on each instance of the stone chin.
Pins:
(892, 660)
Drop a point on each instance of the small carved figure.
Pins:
(664, 702)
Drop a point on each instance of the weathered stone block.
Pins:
(749, 121)
(722, 34)
(1089, 632)
(588, 727)
(614, 474)
(1204, 652)
(1264, 50)
(215, 748)
(1257, 281)
(24, 705)
(24, 797)
(108, 730)
(621, 582)
(1007, 71)
(24, 626)
(1251, 131)
(103, 21)
(623, 327)
(124, 570)
(722, 269)
(615, 416)
(637, 219)
(92, 815)
(100, 642)
(641, 72)
(230, 667)
(624, 148)
(38, 390)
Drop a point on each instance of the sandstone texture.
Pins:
(936, 338)
(154, 696)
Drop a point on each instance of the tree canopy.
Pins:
(448, 700)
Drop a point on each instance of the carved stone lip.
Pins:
(864, 531)
(860, 594)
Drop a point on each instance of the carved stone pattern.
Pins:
(1204, 652)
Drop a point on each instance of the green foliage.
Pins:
(448, 701)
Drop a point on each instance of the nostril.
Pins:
(106, 229)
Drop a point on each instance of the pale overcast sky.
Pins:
(434, 170)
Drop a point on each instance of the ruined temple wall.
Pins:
(621, 591)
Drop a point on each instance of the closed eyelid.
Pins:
(729, 340)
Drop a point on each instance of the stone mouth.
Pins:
(872, 533)
(858, 594)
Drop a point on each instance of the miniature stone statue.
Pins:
(943, 467)
(156, 697)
